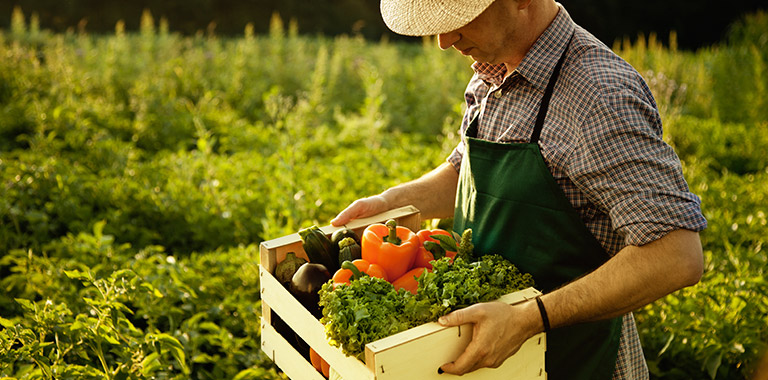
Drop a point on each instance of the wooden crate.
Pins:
(398, 357)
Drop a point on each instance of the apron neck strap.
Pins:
(544, 107)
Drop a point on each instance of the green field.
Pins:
(139, 172)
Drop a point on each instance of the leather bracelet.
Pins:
(543, 312)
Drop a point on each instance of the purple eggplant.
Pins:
(306, 283)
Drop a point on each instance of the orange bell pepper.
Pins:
(391, 246)
(315, 359)
(355, 269)
(428, 251)
(408, 280)
(319, 363)
(326, 369)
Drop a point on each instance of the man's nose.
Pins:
(446, 40)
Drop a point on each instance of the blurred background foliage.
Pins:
(697, 23)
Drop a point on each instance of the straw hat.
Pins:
(430, 17)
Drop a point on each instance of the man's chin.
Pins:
(480, 59)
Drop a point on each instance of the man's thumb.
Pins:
(454, 318)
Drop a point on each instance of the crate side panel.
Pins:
(391, 355)
(412, 221)
(421, 358)
(285, 356)
(267, 257)
(308, 328)
(430, 328)
(282, 251)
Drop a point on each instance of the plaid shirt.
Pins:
(602, 142)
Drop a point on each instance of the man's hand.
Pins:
(499, 331)
(361, 208)
(433, 194)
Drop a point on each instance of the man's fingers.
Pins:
(483, 350)
(466, 362)
(352, 211)
(454, 318)
(342, 218)
(360, 209)
(459, 317)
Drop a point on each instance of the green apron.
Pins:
(511, 201)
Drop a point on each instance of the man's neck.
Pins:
(541, 14)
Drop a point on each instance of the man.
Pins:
(562, 169)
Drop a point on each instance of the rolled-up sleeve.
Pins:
(625, 168)
(456, 155)
(472, 95)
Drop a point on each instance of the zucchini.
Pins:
(319, 248)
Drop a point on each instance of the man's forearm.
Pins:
(434, 193)
(633, 278)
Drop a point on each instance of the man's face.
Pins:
(489, 38)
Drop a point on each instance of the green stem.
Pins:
(435, 249)
(100, 353)
(355, 272)
(392, 237)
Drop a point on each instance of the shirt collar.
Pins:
(538, 63)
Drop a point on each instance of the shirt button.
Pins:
(498, 94)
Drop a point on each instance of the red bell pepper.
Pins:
(355, 269)
(430, 248)
(391, 246)
(408, 280)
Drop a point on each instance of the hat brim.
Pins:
(430, 17)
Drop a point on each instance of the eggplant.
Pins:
(306, 283)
